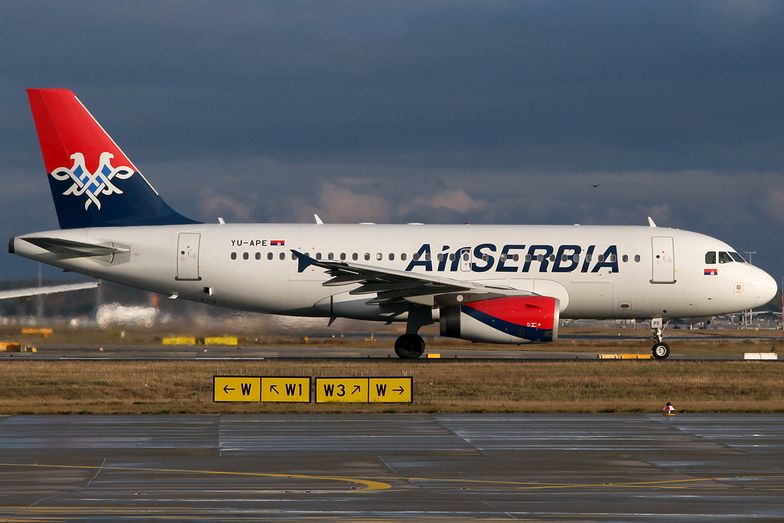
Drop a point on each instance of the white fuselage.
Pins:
(632, 272)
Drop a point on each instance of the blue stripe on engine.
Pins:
(513, 329)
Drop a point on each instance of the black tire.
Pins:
(660, 351)
(409, 346)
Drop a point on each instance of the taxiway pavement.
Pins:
(49, 351)
(536, 467)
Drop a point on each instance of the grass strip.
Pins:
(161, 387)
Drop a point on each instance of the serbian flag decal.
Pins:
(711, 272)
(277, 243)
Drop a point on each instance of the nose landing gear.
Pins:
(660, 350)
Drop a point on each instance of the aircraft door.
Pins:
(663, 259)
(188, 256)
(465, 259)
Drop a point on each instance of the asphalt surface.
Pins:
(49, 351)
(392, 468)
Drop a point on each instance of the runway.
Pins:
(392, 467)
(50, 351)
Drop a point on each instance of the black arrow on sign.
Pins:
(356, 389)
(226, 389)
(399, 390)
(274, 388)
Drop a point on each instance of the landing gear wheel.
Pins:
(660, 350)
(409, 346)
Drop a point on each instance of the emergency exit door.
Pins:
(465, 259)
(663, 259)
(188, 256)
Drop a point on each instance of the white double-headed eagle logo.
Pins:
(90, 184)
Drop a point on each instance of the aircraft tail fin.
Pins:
(93, 182)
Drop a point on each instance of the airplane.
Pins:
(483, 283)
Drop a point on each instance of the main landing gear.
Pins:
(660, 350)
(409, 346)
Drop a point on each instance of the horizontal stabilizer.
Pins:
(73, 248)
(50, 289)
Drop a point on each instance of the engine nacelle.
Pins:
(510, 319)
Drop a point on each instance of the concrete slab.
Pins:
(538, 467)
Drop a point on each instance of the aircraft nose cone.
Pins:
(766, 288)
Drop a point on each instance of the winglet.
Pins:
(318, 219)
(303, 260)
(650, 222)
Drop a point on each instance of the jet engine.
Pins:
(508, 319)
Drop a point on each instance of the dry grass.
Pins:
(38, 387)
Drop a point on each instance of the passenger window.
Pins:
(637, 258)
(601, 258)
(330, 256)
(245, 256)
(283, 256)
(379, 256)
(625, 258)
(258, 255)
(737, 257)
(367, 256)
(269, 255)
(355, 256)
(318, 255)
(552, 257)
(403, 256)
(234, 256)
(516, 257)
(427, 256)
(342, 256)
(724, 257)
(710, 257)
(391, 256)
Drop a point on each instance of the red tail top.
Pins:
(65, 127)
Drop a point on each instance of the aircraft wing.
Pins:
(390, 285)
(51, 289)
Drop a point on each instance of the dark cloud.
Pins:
(273, 110)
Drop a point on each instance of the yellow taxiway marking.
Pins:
(366, 484)
(535, 485)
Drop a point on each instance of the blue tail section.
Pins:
(93, 182)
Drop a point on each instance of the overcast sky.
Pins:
(428, 111)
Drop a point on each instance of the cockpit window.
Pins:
(724, 257)
(737, 257)
(710, 257)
